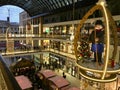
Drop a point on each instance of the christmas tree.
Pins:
(83, 48)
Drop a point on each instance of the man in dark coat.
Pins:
(97, 40)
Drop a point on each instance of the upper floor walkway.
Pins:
(4, 37)
(31, 52)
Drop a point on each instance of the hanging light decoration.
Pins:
(103, 73)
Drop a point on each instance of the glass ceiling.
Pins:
(37, 7)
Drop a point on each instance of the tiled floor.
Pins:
(73, 81)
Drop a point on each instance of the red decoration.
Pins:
(112, 63)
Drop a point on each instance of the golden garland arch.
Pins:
(106, 75)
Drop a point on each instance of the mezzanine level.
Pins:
(4, 37)
(31, 52)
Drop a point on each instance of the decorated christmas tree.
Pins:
(83, 48)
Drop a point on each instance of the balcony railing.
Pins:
(14, 36)
(18, 52)
(7, 80)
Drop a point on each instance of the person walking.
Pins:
(64, 76)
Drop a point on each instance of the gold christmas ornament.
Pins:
(102, 74)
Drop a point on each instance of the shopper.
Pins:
(64, 76)
(97, 40)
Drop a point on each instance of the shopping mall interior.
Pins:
(61, 45)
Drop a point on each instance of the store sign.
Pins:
(89, 73)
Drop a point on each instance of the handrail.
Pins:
(8, 81)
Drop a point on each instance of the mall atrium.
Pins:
(61, 45)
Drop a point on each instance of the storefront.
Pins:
(46, 58)
(55, 45)
(56, 61)
(38, 58)
(46, 44)
(71, 68)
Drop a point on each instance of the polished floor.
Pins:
(75, 82)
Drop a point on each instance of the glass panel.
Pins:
(50, 1)
(55, 4)
(45, 4)
(48, 4)
(51, 4)
(70, 1)
(41, 3)
(75, 1)
(63, 4)
(66, 1)
(58, 3)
